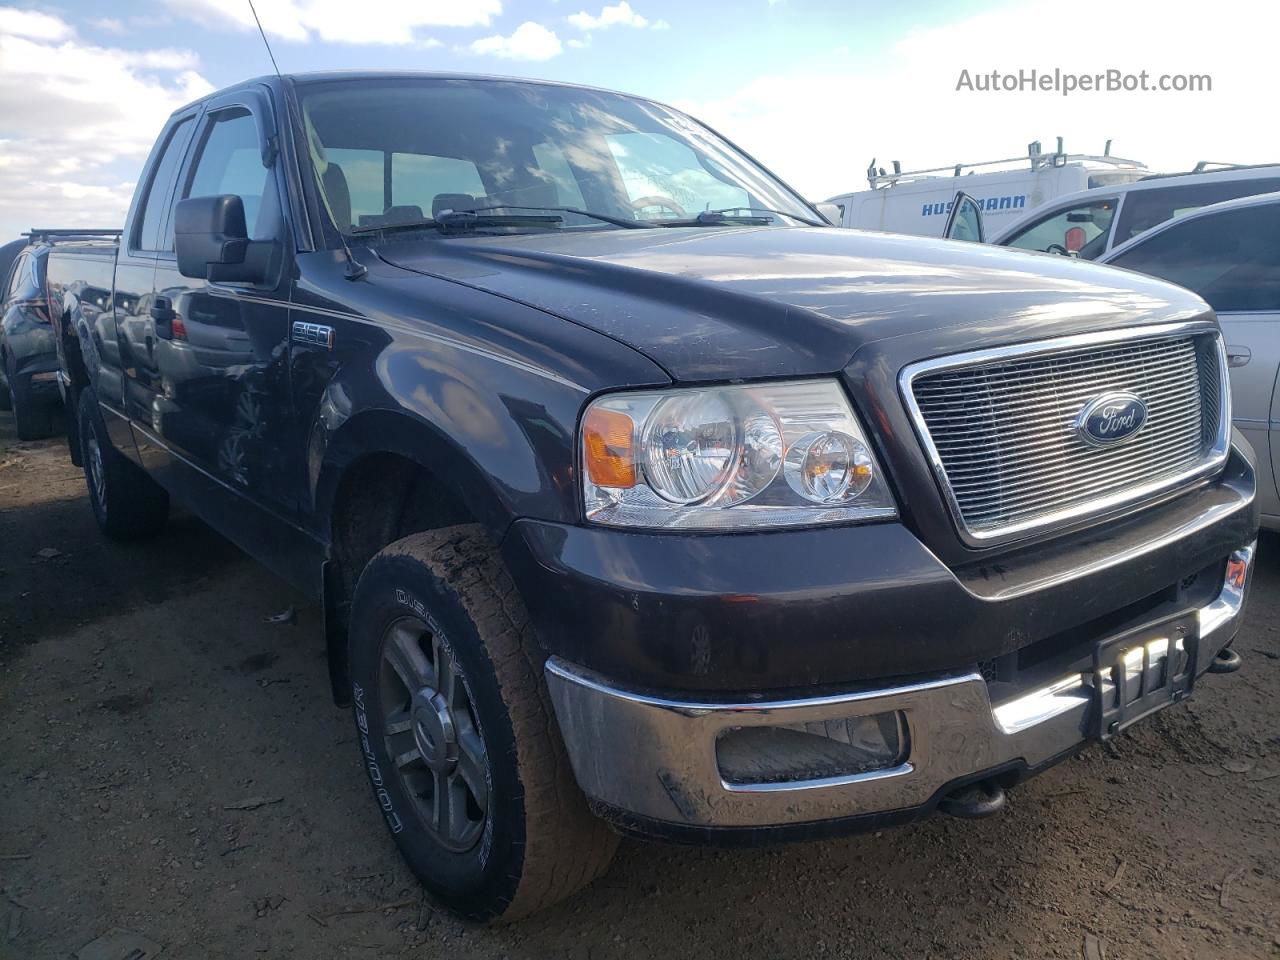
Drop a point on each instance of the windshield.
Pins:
(389, 152)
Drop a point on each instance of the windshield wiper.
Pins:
(781, 213)
(604, 217)
(716, 218)
(461, 220)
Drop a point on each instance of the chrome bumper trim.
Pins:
(1227, 606)
(655, 756)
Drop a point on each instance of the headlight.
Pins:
(780, 454)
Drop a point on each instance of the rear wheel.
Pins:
(457, 732)
(127, 503)
(34, 419)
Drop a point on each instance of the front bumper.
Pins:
(714, 613)
(652, 760)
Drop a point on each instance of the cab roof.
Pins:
(328, 76)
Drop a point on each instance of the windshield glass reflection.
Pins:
(394, 153)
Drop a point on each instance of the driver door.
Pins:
(222, 406)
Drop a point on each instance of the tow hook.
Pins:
(1227, 661)
(982, 799)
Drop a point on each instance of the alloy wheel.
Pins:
(97, 475)
(431, 734)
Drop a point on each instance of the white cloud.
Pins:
(531, 41)
(76, 115)
(817, 126)
(338, 21)
(579, 44)
(32, 24)
(619, 15)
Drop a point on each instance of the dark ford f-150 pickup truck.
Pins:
(636, 496)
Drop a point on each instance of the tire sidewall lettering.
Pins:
(371, 761)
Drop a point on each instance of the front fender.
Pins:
(483, 392)
(333, 452)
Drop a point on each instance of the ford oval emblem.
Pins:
(1111, 418)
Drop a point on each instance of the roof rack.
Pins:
(1217, 165)
(70, 233)
(878, 178)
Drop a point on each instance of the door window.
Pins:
(1144, 209)
(230, 162)
(965, 220)
(1232, 259)
(1080, 229)
(147, 232)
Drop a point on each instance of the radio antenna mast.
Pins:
(263, 34)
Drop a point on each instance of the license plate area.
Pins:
(1142, 671)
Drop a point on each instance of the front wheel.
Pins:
(127, 503)
(457, 732)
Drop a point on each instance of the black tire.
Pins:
(34, 419)
(127, 503)
(6, 398)
(538, 843)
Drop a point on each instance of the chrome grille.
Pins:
(1001, 426)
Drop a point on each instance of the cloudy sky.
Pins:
(813, 88)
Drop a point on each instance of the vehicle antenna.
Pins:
(355, 269)
(263, 34)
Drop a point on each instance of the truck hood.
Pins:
(711, 303)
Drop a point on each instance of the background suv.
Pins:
(1091, 222)
(28, 358)
(1229, 253)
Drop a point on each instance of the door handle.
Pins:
(1238, 356)
(162, 313)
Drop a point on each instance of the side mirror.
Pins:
(832, 212)
(212, 243)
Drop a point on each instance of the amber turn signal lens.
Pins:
(1237, 572)
(608, 439)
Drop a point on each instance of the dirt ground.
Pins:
(143, 693)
